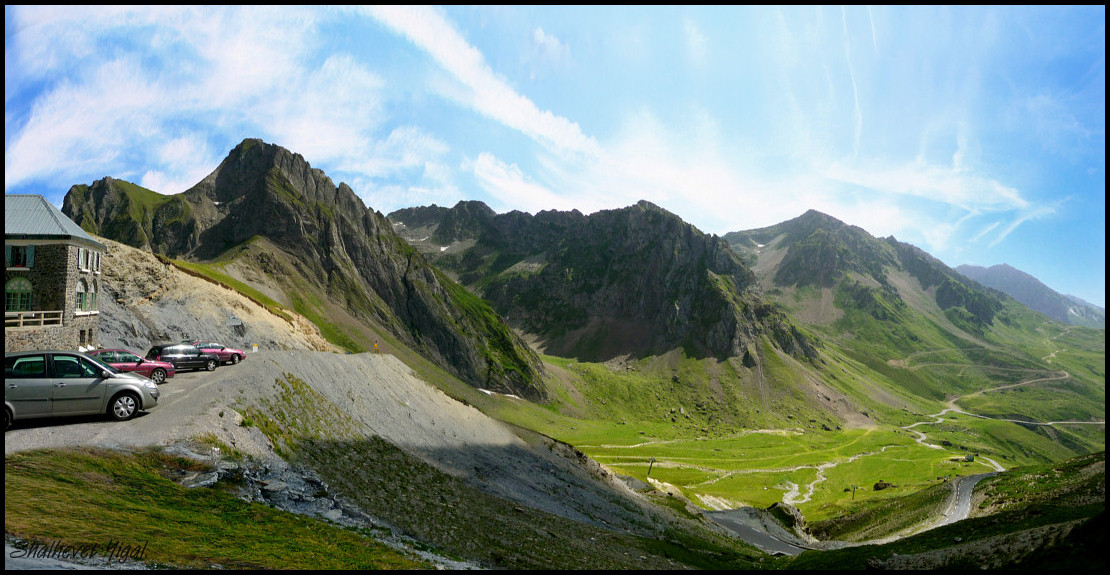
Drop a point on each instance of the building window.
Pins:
(19, 256)
(96, 262)
(82, 289)
(17, 295)
(82, 259)
(90, 298)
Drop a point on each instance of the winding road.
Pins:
(749, 524)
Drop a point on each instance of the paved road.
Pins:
(746, 523)
(961, 503)
(747, 526)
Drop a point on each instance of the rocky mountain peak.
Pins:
(286, 227)
(465, 221)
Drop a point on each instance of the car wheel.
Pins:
(211, 366)
(158, 376)
(7, 419)
(234, 358)
(123, 406)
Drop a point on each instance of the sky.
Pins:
(975, 133)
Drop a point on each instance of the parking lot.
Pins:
(190, 404)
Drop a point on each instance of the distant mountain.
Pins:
(1039, 297)
(633, 281)
(266, 218)
(880, 301)
(817, 251)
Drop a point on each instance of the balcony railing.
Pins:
(32, 318)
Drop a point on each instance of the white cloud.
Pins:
(78, 124)
(406, 148)
(485, 91)
(508, 184)
(201, 74)
(328, 114)
(1027, 215)
(855, 89)
(547, 52)
(941, 184)
(186, 160)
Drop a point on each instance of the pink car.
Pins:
(226, 354)
(124, 360)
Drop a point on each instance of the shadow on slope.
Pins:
(447, 475)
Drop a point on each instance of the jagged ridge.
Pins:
(632, 281)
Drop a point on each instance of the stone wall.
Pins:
(54, 281)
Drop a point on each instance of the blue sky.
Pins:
(975, 133)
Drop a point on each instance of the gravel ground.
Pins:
(145, 301)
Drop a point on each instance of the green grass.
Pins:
(306, 303)
(867, 519)
(967, 531)
(1024, 498)
(90, 497)
(696, 417)
(751, 468)
(1074, 480)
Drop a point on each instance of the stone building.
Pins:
(51, 278)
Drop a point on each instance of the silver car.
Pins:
(62, 383)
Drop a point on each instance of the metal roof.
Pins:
(31, 217)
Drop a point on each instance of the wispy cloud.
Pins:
(874, 37)
(193, 73)
(179, 168)
(940, 184)
(485, 91)
(1025, 216)
(984, 232)
(855, 89)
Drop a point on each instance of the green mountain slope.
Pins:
(912, 321)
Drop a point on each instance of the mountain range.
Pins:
(1039, 297)
(635, 281)
(477, 292)
(632, 319)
